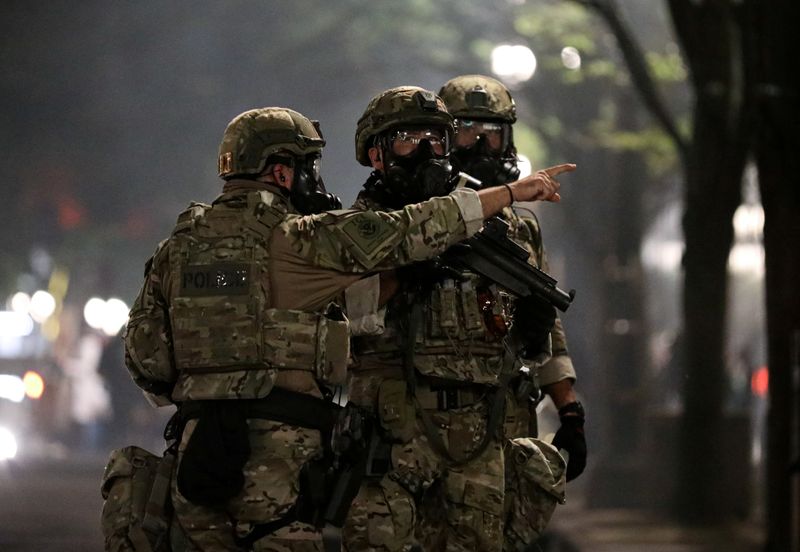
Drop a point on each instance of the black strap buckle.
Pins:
(448, 399)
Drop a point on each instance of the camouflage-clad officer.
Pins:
(484, 113)
(234, 323)
(430, 356)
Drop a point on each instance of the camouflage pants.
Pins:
(271, 485)
(424, 501)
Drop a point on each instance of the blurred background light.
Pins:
(571, 58)
(33, 384)
(107, 316)
(513, 64)
(748, 222)
(20, 302)
(42, 306)
(12, 388)
(747, 258)
(94, 312)
(759, 381)
(8, 444)
(115, 317)
(15, 324)
(524, 165)
(662, 254)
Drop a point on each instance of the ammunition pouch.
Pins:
(249, 340)
(396, 411)
(535, 483)
(137, 510)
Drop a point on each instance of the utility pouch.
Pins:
(210, 471)
(442, 312)
(333, 346)
(535, 484)
(396, 410)
(473, 320)
(137, 511)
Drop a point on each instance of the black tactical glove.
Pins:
(533, 320)
(570, 437)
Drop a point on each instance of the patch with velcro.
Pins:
(215, 279)
(367, 231)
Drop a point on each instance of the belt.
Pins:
(449, 398)
(281, 405)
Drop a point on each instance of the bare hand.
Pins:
(541, 185)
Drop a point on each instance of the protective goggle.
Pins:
(311, 162)
(469, 130)
(405, 142)
(314, 165)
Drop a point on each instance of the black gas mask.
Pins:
(416, 168)
(308, 194)
(478, 162)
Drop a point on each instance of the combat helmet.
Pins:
(403, 105)
(478, 97)
(253, 136)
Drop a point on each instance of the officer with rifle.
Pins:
(237, 323)
(435, 350)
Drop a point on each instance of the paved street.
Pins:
(54, 505)
(51, 505)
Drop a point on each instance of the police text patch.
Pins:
(215, 279)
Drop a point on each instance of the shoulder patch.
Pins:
(367, 231)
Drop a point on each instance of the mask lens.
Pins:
(468, 131)
(405, 142)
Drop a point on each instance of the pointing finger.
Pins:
(558, 169)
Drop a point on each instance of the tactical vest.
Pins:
(457, 338)
(227, 340)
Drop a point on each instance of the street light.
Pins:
(571, 58)
(8, 444)
(42, 306)
(107, 316)
(513, 63)
(21, 302)
(15, 324)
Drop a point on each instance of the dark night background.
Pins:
(111, 116)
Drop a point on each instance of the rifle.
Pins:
(493, 255)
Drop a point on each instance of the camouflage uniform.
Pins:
(446, 484)
(531, 487)
(232, 307)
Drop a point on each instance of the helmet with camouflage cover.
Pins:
(403, 105)
(484, 113)
(253, 136)
(478, 97)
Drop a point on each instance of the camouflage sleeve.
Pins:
(559, 367)
(148, 347)
(367, 241)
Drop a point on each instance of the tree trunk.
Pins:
(775, 29)
(710, 36)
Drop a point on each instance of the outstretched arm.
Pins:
(540, 186)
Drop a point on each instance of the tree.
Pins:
(737, 55)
